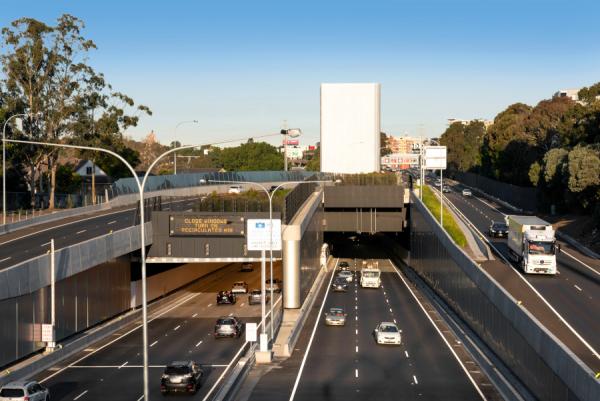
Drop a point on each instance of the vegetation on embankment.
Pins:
(450, 225)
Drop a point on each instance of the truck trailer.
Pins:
(532, 244)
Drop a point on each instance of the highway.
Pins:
(345, 363)
(573, 292)
(112, 368)
(28, 243)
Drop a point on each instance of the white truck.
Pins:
(532, 244)
(370, 276)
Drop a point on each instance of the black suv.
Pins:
(498, 229)
(184, 376)
(344, 266)
(226, 298)
(339, 284)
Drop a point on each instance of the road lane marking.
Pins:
(578, 288)
(209, 305)
(45, 244)
(177, 328)
(574, 258)
(80, 395)
(356, 331)
(415, 379)
(406, 353)
(154, 343)
(194, 315)
(80, 232)
(439, 332)
(176, 305)
(312, 336)
(199, 343)
(123, 365)
(5, 259)
(356, 373)
(111, 222)
(357, 349)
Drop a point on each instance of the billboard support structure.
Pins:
(435, 157)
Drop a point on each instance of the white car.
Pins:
(467, 192)
(235, 189)
(345, 274)
(239, 287)
(387, 333)
(23, 390)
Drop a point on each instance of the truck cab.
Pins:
(532, 244)
(370, 276)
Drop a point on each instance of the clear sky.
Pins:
(242, 67)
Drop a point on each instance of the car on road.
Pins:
(467, 192)
(498, 229)
(387, 333)
(339, 284)
(276, 284)
(347, 275)
(446, 189)
(239, 287)
(344, 266)
(24, 390)
(438, 183)
(255, 297)
(247, 267)
(273, 188)
(181, 376)
(235, 189)
(228, 326)
(226, 298)
(335, 317)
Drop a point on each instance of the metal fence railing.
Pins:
(294, 200)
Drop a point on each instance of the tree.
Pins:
(464, 145)
(548, 122)
(384, 148)
(254, 156)
(584, 174)
(314, 164)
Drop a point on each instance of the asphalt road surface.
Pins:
(26, 244)
(112, 368)
(573, 292)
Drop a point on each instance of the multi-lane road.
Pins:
(35, 241)
(572, 293)
(182, 330)
(345, 363)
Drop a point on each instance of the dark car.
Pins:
(228, 326)
(181, 376)
(339, 284)
(344, 266)
(273, 188)
(247, 267)
(226, 298)
(255, 298)
(498, 229)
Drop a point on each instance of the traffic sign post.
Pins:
(435, 158)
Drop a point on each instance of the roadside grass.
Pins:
(433, 204)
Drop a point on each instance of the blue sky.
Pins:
(241, 68)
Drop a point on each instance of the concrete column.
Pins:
(291, 274)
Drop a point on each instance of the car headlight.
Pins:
(164, 376)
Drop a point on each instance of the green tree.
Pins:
(314, 164)
(464, 145)
(384, 148)
(256, 156)
(584, 175)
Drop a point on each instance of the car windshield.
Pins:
(225, 322)
(177, 370)
(12, 392)
(238, 284)
(370, 274)
(340, 280)
(389, 329)
(541, 248)
(256, 292)
(337, 312)
(345, 273)
(500, 226)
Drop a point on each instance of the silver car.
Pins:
(387, 333)
(467, 192)
(228, 326)
(255, 297)
(335, 317)
(24, 390)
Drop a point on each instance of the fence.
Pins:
(294, 200)
(522, 197)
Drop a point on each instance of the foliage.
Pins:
(68, 182)
(433, 204)
(464, 144)
(255, 156)
(314, 164)
(384, 148)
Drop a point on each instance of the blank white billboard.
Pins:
(350, 128)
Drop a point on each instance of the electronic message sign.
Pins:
(200, 225)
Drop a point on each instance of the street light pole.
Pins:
(175, 154)
(4, 165)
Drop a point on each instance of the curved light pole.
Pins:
(270, 195)
(175, 155)
(4, 165)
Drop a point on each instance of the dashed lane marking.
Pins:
(406, 353)
(209, 305)
(123, 365)
(415, 379)
(80, 395)
(154, 343)
(356, 373)
(111, 222)
(177, 328)
(198, 343)
(357, 348)
(194, 315)
(578, 288)
(5, 259)
(80, 232)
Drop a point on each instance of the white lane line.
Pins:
(415, 379)
(5, 259)
(141, 398)
(209, 305)
(357, 348)
(574, 258)
(235, 357)
(406, 353)
(154, 343)
(231, 314)
(312, 336)
(80, 395)
(194, 315)
(62, 225)
(45, 244)
(177, 328)
(356, 317)
(391, 310)
(356, 373)
(578, 288)
(395, 322)
(126, 362)
(439, 332)
(199, 344)
(356, 331)
(243, 303)
(80, 232)
(176, 305)
(111, 222)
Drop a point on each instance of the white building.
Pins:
(572, 94)
(350, 128)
